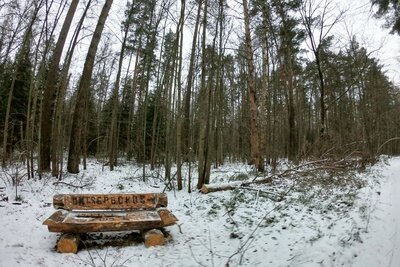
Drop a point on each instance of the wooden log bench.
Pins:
(84, 213)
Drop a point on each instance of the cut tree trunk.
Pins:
(68, 243)
(153, 237)
(209, 188)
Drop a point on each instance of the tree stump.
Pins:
(68, 243)
(153, 237)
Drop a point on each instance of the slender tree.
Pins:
(23, 52)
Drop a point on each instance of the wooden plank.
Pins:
(149, 201)
(56, 217)
(82, 222)
(167, 217)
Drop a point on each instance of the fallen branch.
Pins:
(72, 185)
(304, 170)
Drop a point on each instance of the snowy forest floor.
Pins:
(319, 220)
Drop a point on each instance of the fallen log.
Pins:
(209, 188)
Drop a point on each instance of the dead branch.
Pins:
(306, 169)
(72, 185)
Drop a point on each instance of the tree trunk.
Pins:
(50, 91)
(57, 140)
(83, 93)
(179, 40)
(115, 95)
(251, 84)
(188, 96)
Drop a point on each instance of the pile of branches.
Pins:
(325, 169)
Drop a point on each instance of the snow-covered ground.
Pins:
(334, 221)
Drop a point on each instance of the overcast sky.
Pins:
(358, 21)
(371, 34)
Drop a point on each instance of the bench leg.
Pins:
(68, 243)
(153, 237)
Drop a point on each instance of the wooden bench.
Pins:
(83, 213)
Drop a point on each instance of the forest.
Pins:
(270, 128)
(189, 84)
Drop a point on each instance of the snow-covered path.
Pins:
(381, 243)
(363, 234)
(395, 200)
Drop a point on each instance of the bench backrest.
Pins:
(149, 201)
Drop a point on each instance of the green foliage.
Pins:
(390, 10)
(213, 211)
(21, 71)
(237, 197)
(239, 177)
(120, 187)
(155, 112)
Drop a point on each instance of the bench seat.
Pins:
(104, 221)
(86, 213)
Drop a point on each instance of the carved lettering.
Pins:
(114, 201)
(81, 201)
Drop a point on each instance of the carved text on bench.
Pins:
(104, 199)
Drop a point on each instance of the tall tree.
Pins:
(288, 50)
(75, 144)
(189, 84)
(50, 91)
(251, 86)
(204, 110)
(318, 19)
(113, 136)
(24, 51)
(179, 43)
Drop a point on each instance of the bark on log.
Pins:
(209, 188)
(153, 237)
(167, 217)
(68, 243)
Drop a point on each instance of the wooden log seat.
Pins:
(84, 213)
